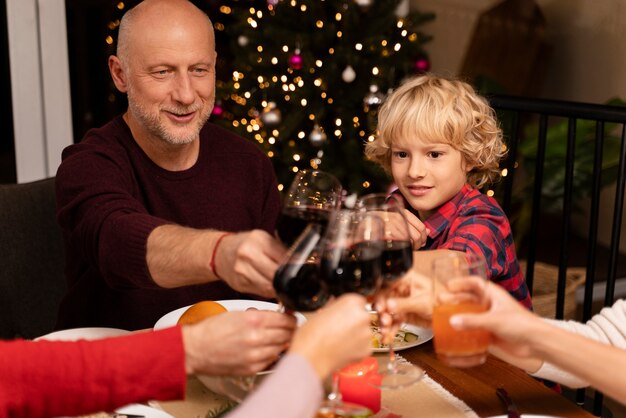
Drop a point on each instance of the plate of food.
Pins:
(235, 388)
(209, 307)
(75, 334)
(407, 336)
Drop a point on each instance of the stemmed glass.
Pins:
(297, 281)
(398, 252)
(311, 197)
(397, 260)
(351, 250)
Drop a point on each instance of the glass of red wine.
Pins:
(297, 281)
(351, 251)
(398, 250)
(397, 260)
(312, 196)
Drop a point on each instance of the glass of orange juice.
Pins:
(459, 280)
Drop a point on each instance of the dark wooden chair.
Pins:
(561, 156)
(32, 279)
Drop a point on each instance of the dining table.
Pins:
(476, 386)
(445, 392)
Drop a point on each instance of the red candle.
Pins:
(355, 383)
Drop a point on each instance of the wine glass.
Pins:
(311, 197)
(398, 251)
(397, 260)
(351, 250)
(297, 281)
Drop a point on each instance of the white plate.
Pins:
(423, 335)
(74, 334)
(527, 416)
(225, 385)
(146, 411)
(170, 319)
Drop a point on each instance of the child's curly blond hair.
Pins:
(443, 110)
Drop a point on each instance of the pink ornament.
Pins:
(422, 65)
(217, 110)
(296, 61)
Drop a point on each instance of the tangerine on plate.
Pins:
(199, 311)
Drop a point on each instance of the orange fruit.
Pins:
(199, 311)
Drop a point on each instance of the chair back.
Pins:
(562, 156)
(32, 279)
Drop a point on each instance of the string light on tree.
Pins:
(313, 63)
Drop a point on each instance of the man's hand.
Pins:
(247, 261)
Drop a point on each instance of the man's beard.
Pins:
(158, 129)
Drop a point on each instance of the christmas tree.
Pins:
(305, 78)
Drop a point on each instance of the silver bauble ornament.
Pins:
(403, 9)
(348, 74)
(364, 4)
(271, 115)
(373, 99)
(317, 136)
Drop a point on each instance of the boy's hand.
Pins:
(417, 230)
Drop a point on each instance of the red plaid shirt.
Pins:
(474, 222)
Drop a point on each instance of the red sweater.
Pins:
(110, 196)
(60, 378)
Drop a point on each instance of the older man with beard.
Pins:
(160, 208)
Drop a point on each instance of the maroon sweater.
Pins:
(110, 196)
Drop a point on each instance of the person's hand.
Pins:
(336, 335)
(247, 261)
(510, 323)
(237, 343)
(417, 230)
(407, 300)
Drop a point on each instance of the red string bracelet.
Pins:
(217, 244)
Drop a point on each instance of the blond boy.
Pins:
(441, 143)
